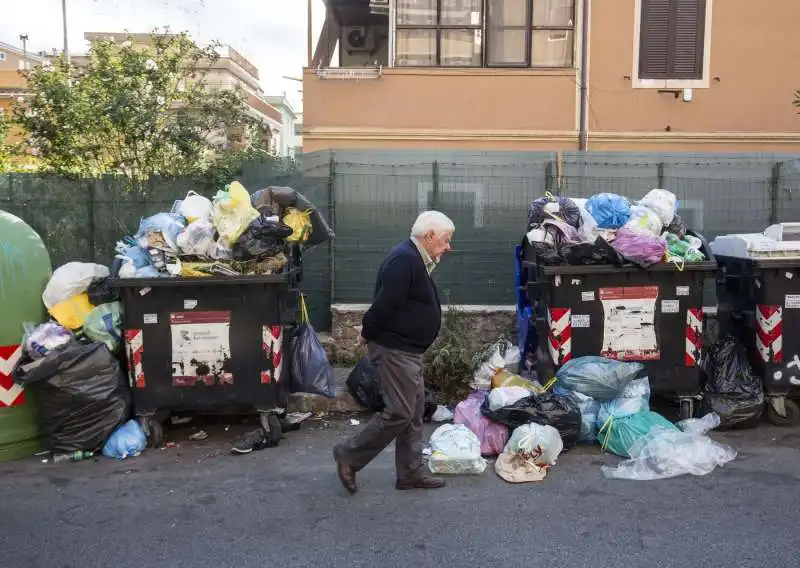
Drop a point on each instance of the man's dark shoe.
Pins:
(252, 441)
(347, 475)
(419, 482)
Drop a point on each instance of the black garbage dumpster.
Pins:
(759, 303)
(653, 316)
(217, 344)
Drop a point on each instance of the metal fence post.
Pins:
(91, 221)
(549, 176)
(660, 174)
(435, 185)
(774, 192)
(332, 218)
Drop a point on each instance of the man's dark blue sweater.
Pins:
(405, 312)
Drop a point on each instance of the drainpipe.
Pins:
(583, 135)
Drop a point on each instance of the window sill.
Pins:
(670, 84)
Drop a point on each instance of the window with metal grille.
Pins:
(671, 39)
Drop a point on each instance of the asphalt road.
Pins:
(193, 506)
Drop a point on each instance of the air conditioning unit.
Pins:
(358, 39)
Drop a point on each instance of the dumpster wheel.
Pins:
(792, 417)
(155, 432)
(687, 408)
(272, 426)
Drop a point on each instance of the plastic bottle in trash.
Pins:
(74, 456)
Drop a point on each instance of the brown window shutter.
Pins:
(654, 39)
(671, 39)
(687, 46)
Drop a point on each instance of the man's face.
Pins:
(437, 244)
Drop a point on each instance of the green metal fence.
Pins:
(372, 197)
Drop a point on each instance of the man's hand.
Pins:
(361, 341)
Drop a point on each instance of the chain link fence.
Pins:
(371, 198)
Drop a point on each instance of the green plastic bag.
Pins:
(618, 434)
(104, 324)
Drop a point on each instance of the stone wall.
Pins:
(488, 322)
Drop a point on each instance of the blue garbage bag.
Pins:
(588, 407)
(600, 378)
(635, 398)
(611, 211)
(168, 224)
(126, 441)
(618, 434)
(311, 371)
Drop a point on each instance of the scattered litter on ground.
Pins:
(354, 422)
(198, 436)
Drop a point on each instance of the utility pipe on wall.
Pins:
(583, 135)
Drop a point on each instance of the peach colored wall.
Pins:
(755, 69)
(443, 99)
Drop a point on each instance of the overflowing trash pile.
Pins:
(591, 400)
(610, 229)
(232, 234)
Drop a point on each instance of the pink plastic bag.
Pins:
(641, 249)
(493, 436)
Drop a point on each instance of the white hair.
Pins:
(432, 222)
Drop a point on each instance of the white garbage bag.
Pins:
(529, 453)
(70, 280)
(661, 202)
(506, 396)
(455, 449)
(644, 221)
(197, 238)
(505, 355)
(194, 207)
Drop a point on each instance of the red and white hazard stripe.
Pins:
(11, 393)
(694, 336)
(560, 340)
(769, 333)
(273, 347)
(134, 340)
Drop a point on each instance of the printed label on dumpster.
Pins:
(681, 290)
(629, 323)
(580, 320)
(272, 345)
(792, 301)
(150, 318)
(201, 348)
(587, 296)
(670, 306)
(189, 304)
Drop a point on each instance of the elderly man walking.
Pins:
(402, 323)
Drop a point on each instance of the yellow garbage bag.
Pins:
(232, 213)
(72, 313)
(300, 222)
(505, 378)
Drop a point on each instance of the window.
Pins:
(2, 56)
(446, 33)
(519, 33)
(672, 40)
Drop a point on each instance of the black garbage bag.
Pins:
(364, 387)
(262, 239)
(311, 371)
(731, 389)
(81, 393)
(546, 254)
(677, 227)
(274, 198)
(551, 207)
(598, 252)
(548, 409)
(101, 292)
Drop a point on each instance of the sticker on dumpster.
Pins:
(272, 345)
(201, 348)
(670, 306)
(681, 290)
(134, 343)
(792, 301)
(580, 320)
(150, 318)
(629, 323)
(587, 296)
(189, 304)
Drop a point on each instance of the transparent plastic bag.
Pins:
(70, 280)
(232, 213)
(665, 453)
(455, 449)
(600, 378)
(45, 338)
(128, 440)
(160, 231)
(104, 324)
(197, 238)
(644, 221)
(589, 408)
(530, 452)
(504, 355)
(639, 248)
(300, 223)
(618, 435)
(661, 202)
(702, 425)
(635, 397)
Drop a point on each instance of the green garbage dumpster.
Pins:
(24, 271)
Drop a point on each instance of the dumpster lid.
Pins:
(779, 241)
(198, 281)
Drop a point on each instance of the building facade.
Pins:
(636, 75)
(13, 85)
(287, 142)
